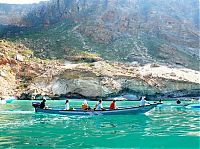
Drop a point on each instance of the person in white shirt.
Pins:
(67, 105)
(143, 102)
(99, 105)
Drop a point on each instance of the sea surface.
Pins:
(164, 127)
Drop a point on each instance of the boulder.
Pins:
(147, 75)
(3, 74)
(19, 57)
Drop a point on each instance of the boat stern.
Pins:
(36, 105)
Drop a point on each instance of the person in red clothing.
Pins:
(113, 105)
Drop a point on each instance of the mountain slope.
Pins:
(138, 31)
(21, 71)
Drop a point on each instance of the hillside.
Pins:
(21, 72)
(100, 48)
(131, 31)
(18, 67)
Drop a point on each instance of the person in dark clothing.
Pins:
(42, 104)
(178, 101)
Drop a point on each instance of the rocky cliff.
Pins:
(22, 71)
(104, 78)
(99, 48)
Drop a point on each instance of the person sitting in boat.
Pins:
(99, 105)
(67, 105)
(143, 101)
(113, 105)
(42, 104)
(178, 102)
(85, 105)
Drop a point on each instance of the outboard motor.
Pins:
(36, 104)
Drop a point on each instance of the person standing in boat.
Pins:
(99, 105)
(67, 105)
(143, 101)
(113, 105)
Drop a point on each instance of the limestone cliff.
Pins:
(103, 78)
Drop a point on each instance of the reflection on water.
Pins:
(20, 127)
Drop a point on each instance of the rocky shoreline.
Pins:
(122, 95)
(104, 79)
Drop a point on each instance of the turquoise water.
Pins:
(161, 128)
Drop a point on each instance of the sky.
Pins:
(20, 1)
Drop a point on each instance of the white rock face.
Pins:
(89, 88)
(59, 87)
(86, 87)
(130, 97)
(102, 79)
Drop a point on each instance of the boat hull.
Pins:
(122, 111)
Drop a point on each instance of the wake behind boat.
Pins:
(193, 106)
(79, 111)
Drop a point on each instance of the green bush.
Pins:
(27, 52)
(89, 54)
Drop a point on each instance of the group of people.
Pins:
(98, 105)
(85, 106)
